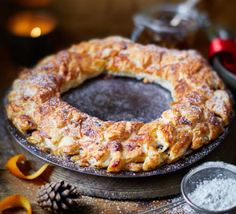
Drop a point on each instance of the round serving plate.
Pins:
(116, 98)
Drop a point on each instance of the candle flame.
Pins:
(35, 32)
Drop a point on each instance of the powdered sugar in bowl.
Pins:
(211, 188)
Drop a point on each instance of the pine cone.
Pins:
(57, 197)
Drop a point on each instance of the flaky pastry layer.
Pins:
(200, 110)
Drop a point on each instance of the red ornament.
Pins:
(226, 50)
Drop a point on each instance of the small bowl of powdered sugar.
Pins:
(211, 188)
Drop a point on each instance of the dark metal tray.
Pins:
(112, 98)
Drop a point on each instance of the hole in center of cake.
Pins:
(118, 98)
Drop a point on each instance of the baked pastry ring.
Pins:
(199, 113)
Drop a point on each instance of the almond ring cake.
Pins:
(199, 113)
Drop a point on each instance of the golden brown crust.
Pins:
(199, 113)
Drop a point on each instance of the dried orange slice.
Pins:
(15, 201)
(12, 166)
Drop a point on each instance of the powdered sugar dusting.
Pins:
(117, 99)
(182, 209)
(217, 194)
(216, 190)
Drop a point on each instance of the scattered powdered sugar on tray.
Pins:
(217, 194)
(181, 209)
(116, 99)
